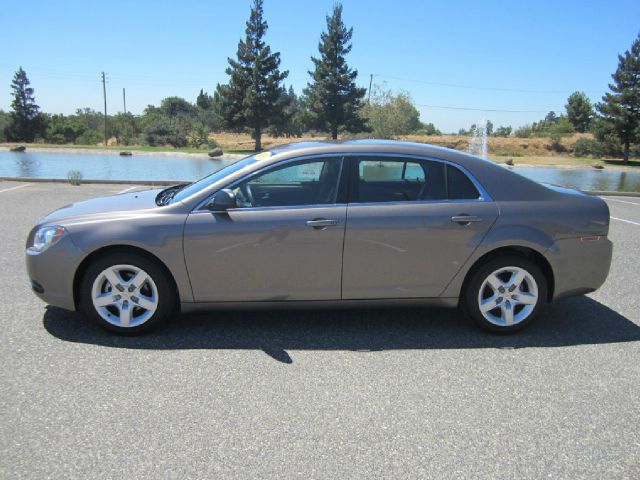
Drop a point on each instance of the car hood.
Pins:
(124, 202)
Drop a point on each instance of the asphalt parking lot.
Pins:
(400, 393)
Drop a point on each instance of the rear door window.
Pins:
(398, 180)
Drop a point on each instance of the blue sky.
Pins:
(523, 56)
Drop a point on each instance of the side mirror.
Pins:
(223, 201)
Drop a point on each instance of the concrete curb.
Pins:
(614, 194)
(100, 182)
(173, 182)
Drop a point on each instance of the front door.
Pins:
(283, 242)
(411, 225)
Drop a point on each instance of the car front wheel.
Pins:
(505, 294)
(126, 293)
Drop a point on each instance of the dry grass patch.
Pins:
(243, 141)
(500, 146)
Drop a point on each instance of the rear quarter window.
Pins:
(459, 186)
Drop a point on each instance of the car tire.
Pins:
(127, 293)
(513, 285)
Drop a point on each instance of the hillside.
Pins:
(498, 146)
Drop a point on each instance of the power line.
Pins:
(475, 87)
(446, 107)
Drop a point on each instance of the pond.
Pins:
(101, 166)
(584, 178)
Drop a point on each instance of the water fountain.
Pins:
(478, 144)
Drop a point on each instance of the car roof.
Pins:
(362, 145)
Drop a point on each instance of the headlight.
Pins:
(45, 237)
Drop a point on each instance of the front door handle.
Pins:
(465, 219)
(321, 223)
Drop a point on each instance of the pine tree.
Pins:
(579, 111)
(204, 100)
(251, 98)
(26, 121)
(332, 97)
(621, 109)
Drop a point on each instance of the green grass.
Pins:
(550, 161)
(509, 154)
(240, 152)
(134, 148)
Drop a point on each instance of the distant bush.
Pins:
(607, 138)
(74, 177)
(524, 131)
(562, 126)
(199, 136)
(428, 129)
(587, 147)
(389, 115)
(502, 132)
(90, 137)
(161, 131)
(556, 143)
(5, 122)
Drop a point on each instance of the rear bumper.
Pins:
(51, 273)
(579, 266)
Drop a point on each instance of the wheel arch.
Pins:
(526, 252)
(82, 268)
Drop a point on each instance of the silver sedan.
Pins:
(351, 223)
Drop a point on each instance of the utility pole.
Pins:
(370, 82)
(124, 101)
(104, 91)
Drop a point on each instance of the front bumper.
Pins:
(51, 273)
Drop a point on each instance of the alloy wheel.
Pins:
(124, 295)
(508, 296)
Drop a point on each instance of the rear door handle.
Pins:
(465, 219)
(321, 223)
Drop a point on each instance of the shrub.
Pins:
(502, 132)
(586, 147)
(198, 136)
(428, 129)
(524, 131)
(90, 137)
(556, 143)
(160, 131)
(389, 115)
(561, 127)
(74, 177)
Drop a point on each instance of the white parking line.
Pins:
(622, 201)
(625, 221)
(15, 188)
(127, 189)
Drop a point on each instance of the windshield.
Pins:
(204, 182)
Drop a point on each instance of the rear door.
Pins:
(411, 225)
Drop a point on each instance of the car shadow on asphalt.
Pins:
(575, 321)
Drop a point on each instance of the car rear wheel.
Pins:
(126, 293)
(505, 294)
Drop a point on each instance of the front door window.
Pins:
(313, 182)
